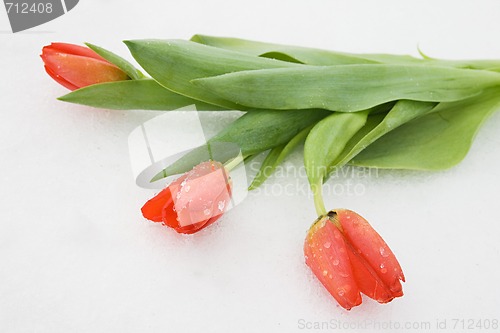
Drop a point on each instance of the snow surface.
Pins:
(77, 256)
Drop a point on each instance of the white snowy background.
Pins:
(77, 256)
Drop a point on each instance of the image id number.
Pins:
(26, 8)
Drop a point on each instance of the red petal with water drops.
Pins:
(326, 254)
(370, 246)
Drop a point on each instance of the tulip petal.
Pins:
(59, 79)
(326, 254)
(72, 49)
(83, 71)
(203, 194)
(153, 208)
(372, 248)
(367, 279)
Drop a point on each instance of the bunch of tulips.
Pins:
(339, 104)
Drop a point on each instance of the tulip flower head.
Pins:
(75, 66)
(349, 257)
(193, 201)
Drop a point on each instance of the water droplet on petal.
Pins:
(187, 188)
(383, 270)
(206, 211)
(325, 273)
(335, 262)
(221, 205)
(327, 245)
(383, 252)
(341, 292)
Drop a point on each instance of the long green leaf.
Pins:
(310, 56)
(436, 141)
(327, 140)
(175, 63)
(143, 94)
(313, 56)
(120, 62)
(347, 88)
(402, 112)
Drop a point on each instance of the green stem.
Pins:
(230, 165)
(319, 204)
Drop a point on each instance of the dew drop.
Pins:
(327, 245)
(335, 262)
(221, 205)
(183, 183)
(383, 252)
(187, 188)
(383, 270)
(206, 211)
(325, 273)
(341, 291)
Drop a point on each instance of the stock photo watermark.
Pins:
(26, 14)
(437, 324)
(290, 180)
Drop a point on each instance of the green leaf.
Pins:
(436, 141)
(327, 140)
(253, 133)
(120, 62)
(346, 88)
(402, 112)
(276, 156)
(304, 55)
(143, 94)
(313, 56)
(175, 63)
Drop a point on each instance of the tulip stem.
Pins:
(319, 204)
(230, 165)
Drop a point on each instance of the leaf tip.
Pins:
(160, 175)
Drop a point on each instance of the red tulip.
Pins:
(193, 201)
(75, 66)
(348, 257)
